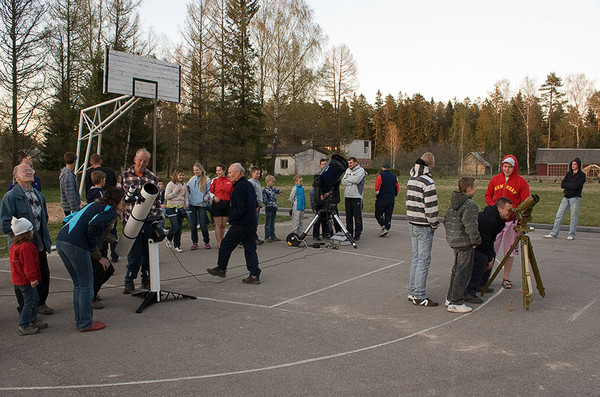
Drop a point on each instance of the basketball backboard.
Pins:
(144, 77)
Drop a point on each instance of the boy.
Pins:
(270, 200)
(298, 201)
(462, 234)
(97, 190)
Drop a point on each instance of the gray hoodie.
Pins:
(462, 229)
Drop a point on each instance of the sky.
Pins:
(444, 49)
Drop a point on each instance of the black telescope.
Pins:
(330, 176)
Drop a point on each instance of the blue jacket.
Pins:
(196, 196)
(86, 227)
(243, 204)
(14, 203)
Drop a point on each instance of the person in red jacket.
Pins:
(507, 184)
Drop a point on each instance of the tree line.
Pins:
(256, 76)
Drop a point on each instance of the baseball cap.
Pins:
(509, 160)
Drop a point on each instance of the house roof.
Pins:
(479, 158)
(290, 150)
(565, 156)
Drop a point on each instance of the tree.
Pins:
(500, 98)
(525, 101)
(578, 91)
(22, 73)
(551, 98)
(339, 75)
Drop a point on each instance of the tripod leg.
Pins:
(341, 225)
(536, 272)
(525, 272)
(310, 225)
(501, 265)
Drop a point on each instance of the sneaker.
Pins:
(384, 232)
(194, 247)
(39, 324)
(168, 243)
(459, 308)
(96, 326)
(447, 302)
(216, 271)
(146, 284)
(259, 242)
(268, 240)
(28, 330)
(549, 236)
(275, 239)
(473, 299)
(424, 302)
(570, 238)
(177, 249)
(411, 297)
(251, 280)
(44, 309)
(97, 305)
(207, 246)
(129, 287)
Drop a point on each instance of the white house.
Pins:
(361, 149)
(299, 160)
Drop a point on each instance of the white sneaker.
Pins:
(549, 236)
(168, 243)
(177, 249)
(411, 297)
(570, 238)
(459, 308)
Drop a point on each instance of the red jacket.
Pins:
(516, 189)
(222, 187)
(24, 263)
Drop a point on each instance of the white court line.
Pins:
(580, 312)
(232, 302)
(254, 370)
(334, 285)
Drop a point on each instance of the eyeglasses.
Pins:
(29, 171)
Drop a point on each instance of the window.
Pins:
(283, 164)
(366, 147)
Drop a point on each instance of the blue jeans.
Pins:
(270, 223)
(176, 226)
(79, 265)
(574, 203)
(30, 302)
(197, 216)
(421, 238)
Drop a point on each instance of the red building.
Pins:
(555, 162)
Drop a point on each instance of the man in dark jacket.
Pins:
(386, 190)
(491, 221)
(242, 218)
(572, 184)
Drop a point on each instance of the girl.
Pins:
(221, 187)
(199, 186)
(176, 203)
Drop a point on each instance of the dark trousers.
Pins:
(461, 274)
(138, 255)
(320, 225)
(354, 222)
(479, 276)
(384, 208)
(100, 275)
(236, 235)
(29, 297)
(176, 226)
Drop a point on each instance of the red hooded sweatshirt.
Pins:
(516, 189)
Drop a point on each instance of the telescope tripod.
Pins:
(329, 216)
(528, 265)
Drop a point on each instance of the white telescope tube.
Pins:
(136, 219)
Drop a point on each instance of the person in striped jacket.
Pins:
(422, 213)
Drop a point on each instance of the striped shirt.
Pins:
(421, 197)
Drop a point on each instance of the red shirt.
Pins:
(222, 188)
(24, 263)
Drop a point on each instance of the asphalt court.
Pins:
(322, 322)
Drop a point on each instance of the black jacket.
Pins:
(490, 224)
(572, 184)
(243, 204)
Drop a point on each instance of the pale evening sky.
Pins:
(444, 49)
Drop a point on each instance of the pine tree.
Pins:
(551, 100)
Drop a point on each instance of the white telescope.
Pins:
(136, 220)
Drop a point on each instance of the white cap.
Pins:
(20, 225)
(509, 160)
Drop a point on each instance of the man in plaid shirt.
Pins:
(137, 176)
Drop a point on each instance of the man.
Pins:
(96, 165)
(354, 180)
(137, 176)
(70, 201)
(422, 213)
(572, 185)
(26, 159)
(254, 180)
(23, 201)
(386, 190)
(243, 223)
(318, 204)
(507, 184)
(491, 221)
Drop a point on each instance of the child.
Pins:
(462, 234)
(176, 203)
(298, 201)
(270, 199)
(97, 190)
(26, 275)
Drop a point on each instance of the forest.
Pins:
(256, 76)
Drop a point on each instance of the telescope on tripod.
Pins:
(326, 185)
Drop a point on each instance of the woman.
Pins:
(176, 203)
(221, 187)
(76, 240)
(199, 186)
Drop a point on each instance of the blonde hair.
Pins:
(297, 177)
(269, 178)
(203, 178)
(176, 172)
